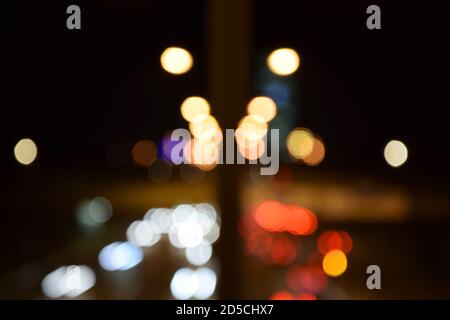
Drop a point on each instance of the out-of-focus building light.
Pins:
(206, 216)
(143, 234)
(193, 107)
(173, 238)
(184, 284)
(160, 219)
(301, 221)
(144, 153)
(207, 280)
(334, 240)
(395, 153)
(199, 254)
(317, 154)
(68, 281)
(213, 234)
(176, 60)
(264, 107)
(328, 241)
(334, 263)
(190, 234)
(283, 251)
(271, 215)
(120, 256)
(25, 151)
(190, 225)
(95, 212)
(283, 61)
(208, 209)
(300, 143)
(277, 217)
(183, 213)
(199, 284)
(347, 241)
(251, 129)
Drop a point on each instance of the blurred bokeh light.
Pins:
(176, 60)
(144, 153)
(300, 143)
(263, 107)
(193, 107)
(395, 153)
(284, 61)
(25, 151)
(334, 263)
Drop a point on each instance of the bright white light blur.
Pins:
(142, 234)
(68, 281)
(25, 151)
(186, 225)
(205, 221)
(206, 216)
(213, 233)
(184, 284)
(120, 256)
(283, 61)
(176, 60)
(200, 254)
(395, 153)
(160, 218)
(206, 283)
(208, 209)
(173, 237)
(190, 234)
(183, 213)
(187, 283)
(190, 224)
(52, 286)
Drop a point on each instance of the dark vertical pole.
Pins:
(229, 43)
